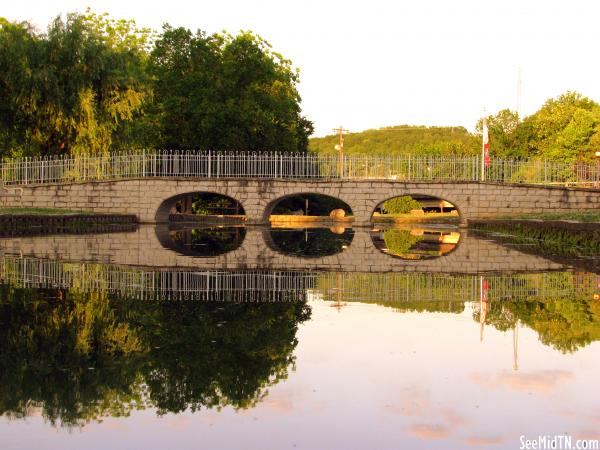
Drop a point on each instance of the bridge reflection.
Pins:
(255, 286)
(165, 247)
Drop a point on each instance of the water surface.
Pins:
(98, 352)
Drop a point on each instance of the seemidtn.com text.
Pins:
(558, 442)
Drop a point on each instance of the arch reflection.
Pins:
(416, 243)
(310, 242)
(202, 242)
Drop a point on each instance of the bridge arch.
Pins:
(419, 194)
(168, 205)
(336, 202)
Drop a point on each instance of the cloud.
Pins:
(482, 440)
(540, 381)
(587, 434)
(429, 431)
(452, 417)
(413, 401)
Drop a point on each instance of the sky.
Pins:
(378, 63)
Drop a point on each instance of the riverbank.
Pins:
(37, 221)
(430, 217)
(557, 237)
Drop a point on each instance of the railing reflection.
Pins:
(249, 285)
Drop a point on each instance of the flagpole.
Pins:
(483, 131)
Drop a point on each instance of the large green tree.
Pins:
(221, 92)
(72, 89)
(565, 129)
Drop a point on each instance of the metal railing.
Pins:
(24, 171)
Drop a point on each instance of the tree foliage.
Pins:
(564, 129)
(92, 84)
(402, 139)
(401, 205)
(80, 357)
(222, 92)
(72, 89)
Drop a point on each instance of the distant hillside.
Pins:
(402, 139)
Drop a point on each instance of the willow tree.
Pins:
(72, 89)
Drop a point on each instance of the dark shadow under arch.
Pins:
(295, 204)
(167, 206)
(315, 242)
(202, 242)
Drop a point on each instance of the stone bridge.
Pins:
(151, 199)
(149, 247)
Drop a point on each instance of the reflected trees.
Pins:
(76, 357)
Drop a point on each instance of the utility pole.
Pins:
(340, 148)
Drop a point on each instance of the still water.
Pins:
(293, 338)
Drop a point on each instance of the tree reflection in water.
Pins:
(311, 242)
(207, 242)
(415, 242)
(78, 357)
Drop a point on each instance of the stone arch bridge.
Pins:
(151, 199)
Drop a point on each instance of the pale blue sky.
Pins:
(380, 63)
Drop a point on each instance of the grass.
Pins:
(547, 238)
(40, 212)
(579, 216)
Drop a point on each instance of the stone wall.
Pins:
(151, 199)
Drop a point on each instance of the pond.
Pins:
(293, 338)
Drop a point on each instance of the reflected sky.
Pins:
(366, 376)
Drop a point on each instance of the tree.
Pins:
(503, 129)
(221, 92)
(403, 139)
(563, 129)
(401, 205)
(73, 89)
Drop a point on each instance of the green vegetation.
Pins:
(74, 89)
(80, 357)
(402, 139)
(565, 321)
(548, 238)
(400, 242)
(579, 216)
(93, 85)
(41, 212)
(557, 305)
(222, 92)
(210, 204)
(401, 205)
(564, 129)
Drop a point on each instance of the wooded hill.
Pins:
(402, 139)
(566, 128)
